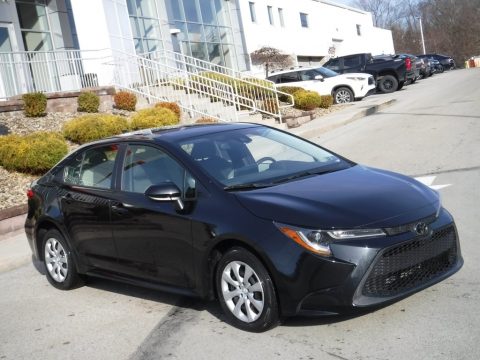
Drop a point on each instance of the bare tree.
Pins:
(271, 59)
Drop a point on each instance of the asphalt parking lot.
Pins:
(431, 131)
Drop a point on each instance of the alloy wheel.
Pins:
(242, 291)
(342, 97)
(56, 260)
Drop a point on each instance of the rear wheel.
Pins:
(343, 95)
(388, 84)
(59, 263)
(246, 291)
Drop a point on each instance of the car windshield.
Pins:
(258, 157)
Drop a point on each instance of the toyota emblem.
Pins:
(421, 228)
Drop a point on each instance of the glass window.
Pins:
(195, 32)
(191, 11)
(37, 41)
(214, 53)
(208, 12)
(145, 166)
(359, 30)
(351, 61)
(199, 50)
(258, 155)
(93, 168)
(211, 34)
(304, 20)
(270, 15)
(280, 16)
(288, 77)
(176, 11)
(253, 15)
(32, 17)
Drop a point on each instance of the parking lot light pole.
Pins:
(421, 33)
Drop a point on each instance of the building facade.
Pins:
(224, 32)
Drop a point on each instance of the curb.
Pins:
(317, 131)
(12, 219)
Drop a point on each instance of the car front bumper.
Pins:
(375, 272)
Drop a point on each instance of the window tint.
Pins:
(146, 165)
(351, 61)
(93, 167)
(334, 64)
(288, 77)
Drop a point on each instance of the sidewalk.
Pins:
(14, 249)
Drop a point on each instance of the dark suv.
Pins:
(447, 62)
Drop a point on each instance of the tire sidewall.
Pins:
(385, 79)
(269, 316)
(72, 276)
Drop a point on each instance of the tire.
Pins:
(441, 69)
(61, 270)
(388, 84)
(236, 298)
(343, 95)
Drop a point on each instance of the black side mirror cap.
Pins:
(166, 192)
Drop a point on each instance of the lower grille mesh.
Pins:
(411, 264)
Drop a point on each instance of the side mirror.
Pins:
(319, 77)
(166, 192)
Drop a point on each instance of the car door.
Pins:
(153, 239)
(85, 193)
(352, 64)
(322, 86)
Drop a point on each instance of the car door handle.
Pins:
(67, 198)
(121, 208)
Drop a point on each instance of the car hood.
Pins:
(355, 197)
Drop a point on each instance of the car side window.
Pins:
(308, 75)
(288, 77)
(93, 167)
(351, 62)
(334, 64)
(147, 165)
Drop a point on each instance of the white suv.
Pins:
(343, 87)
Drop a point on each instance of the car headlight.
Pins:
(358, 78)
(318, 241)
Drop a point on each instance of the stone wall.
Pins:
(64, 101)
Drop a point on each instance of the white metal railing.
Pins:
(49, 71)
(261, 90)
(201, 88)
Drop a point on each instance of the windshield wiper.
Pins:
(247, 186)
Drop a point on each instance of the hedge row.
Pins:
(306, 99)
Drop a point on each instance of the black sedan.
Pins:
(268, 223)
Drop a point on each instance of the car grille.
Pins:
(406, 266)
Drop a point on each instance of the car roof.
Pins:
(173, 134)
(293, 70)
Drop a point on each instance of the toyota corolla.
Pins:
(268, 223)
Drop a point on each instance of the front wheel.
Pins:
(343, 95)
(388, 84)
(59, 262)
(246, 291)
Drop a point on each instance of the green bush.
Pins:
(88, 102)
(35, 104)
(125, 101)
(153, 118)
(289, 90)
(171, 106)
(32, 154)
(307, 100)
(327, 101)
(92, 127)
